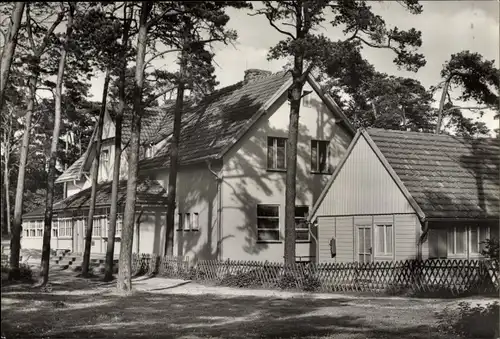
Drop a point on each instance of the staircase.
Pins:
(74, 261)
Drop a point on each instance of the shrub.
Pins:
(288, 281)
(491, 250)
(471, 322)
(248, 279)
(311, 283)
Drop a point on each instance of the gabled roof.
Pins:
(149, 193)
(448, 176)
(218, 119)
(442, 176)
(211, 127)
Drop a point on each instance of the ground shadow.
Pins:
(147, 315)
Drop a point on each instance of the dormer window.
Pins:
(149, 151)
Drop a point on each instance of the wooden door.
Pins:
(364, 244)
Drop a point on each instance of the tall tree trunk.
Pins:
(6, 161)
(95, 179)
(446, 86)
(291, 163)
(9, 48)
(15, 240)
(174, 161)
(53, 151)
(110, 250)
(124, 283)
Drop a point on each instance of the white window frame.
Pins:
(99, 222)
(301, 230)
(274, 165)
(478, 245)
(187, 221)
(465, 244)
(278, 230)
(388, 229)
(179, 222)
(55, 228)
(65, 227)
(316, 143)
(39, 225)
(195, 224)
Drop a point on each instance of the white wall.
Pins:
(196, 193)
(247, 182)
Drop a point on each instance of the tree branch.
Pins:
(159, 55)
(45, 42)
(147, 103)
(268, 16)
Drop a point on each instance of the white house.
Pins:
(400, 195)
(231, 182)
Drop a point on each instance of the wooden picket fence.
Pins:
(418, 276)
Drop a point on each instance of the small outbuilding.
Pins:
(400, 195)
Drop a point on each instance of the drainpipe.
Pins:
(313, 224)
(218, 178)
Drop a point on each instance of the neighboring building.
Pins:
(401, 195)
(231, 182)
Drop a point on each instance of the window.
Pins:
(276, 153)
(39, 228)
(119, 225)
(65, 227)
(319, 156)
(301, 228)
(195, 225)
(476, 236)
(268, 223)
(104, 156)
(149, 151)
(306, 99)
(26, 227)
(99, 223)
(187, 221)
(383, 238)
(457, 240)
(55, 228)
(180, 224)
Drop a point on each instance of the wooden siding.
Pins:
(345, 239)
(405, 237)
(326, 231)
(363, 187)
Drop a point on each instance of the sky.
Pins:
(447, 27)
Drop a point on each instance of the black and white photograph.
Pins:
(317, 169)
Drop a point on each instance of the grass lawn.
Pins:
(80, 308)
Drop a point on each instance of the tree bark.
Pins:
(9, 48)
(124, 282)
(53, 151)
(6, 161)
(174, 161)
(441, 104)
(95, 179)
(15, 240)
(110, 250)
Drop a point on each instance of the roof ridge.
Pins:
(428, 133)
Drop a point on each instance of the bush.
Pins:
(311, 283)
(249, 279)
(25, 273)
(491, 250)
(471, 322)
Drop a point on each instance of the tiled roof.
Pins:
(216, 121)
(72, 172)
(448, 177)
(149, 193)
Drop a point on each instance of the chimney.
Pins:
(253, 73)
